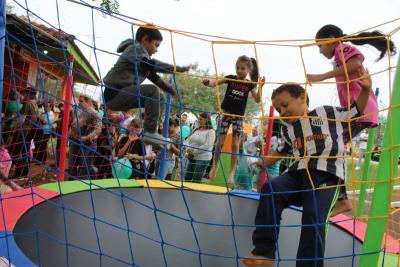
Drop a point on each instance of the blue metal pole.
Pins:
(162, 171)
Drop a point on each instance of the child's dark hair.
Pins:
(377, 40)
(149, 31)
(206, 116)
(252, 63)
(293, 89)
(173, 122)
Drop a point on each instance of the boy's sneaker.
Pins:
(155, 139)
(253, 260)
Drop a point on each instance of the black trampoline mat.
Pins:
(92, 230)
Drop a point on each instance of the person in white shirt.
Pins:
(362, 148)
(199, 149)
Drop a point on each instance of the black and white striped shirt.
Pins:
(324, 136)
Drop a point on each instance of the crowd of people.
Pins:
(33, 132)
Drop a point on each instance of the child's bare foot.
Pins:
(213, 173)
(4, 188)
(231, 176)
(254, 260)
(13, 185)
(341, 206)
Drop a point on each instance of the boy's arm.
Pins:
(352, 65)
(162, 67)
(156, 79)
(366, 86)
(268, 161)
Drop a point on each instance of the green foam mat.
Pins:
(84, 185)
(391, 260)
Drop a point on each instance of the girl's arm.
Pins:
(213, 83)
(256, 92)
(122, 150)
(174, 149)
(366, 86)
(134, 156)
(352, 65)
(139, 157)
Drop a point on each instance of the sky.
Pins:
(253, 20)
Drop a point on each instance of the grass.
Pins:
(223, 170)
(353, 179)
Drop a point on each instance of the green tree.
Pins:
(109, 5)
(9, 9)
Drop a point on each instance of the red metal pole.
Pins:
(268, 136)
(65, 130)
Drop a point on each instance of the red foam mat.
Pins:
(14, 204)
(358, 229)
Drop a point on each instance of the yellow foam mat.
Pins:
(179, 185)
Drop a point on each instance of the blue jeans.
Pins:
(80, 161)
(196, 170)
(168, 167)
(294, 188)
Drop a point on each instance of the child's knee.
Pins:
(150, 90)
(235, 144)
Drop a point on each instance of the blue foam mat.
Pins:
(10, 251)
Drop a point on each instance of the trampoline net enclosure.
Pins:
(158, 227)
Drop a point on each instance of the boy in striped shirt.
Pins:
(316, 139)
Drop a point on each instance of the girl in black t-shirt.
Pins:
(234, 107)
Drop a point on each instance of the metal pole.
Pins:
(162, 170)
(65, 129)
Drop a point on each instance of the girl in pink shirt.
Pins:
(345, 54)
(349, 56)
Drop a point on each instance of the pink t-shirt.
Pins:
(354, 87)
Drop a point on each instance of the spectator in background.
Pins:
(59, 127)
(244, 175)
(362, 148)
(48, 118)
(12, 111)
(199, 149)
(174, 116)
(85, 129)
(136, 151)
(31, 130)
(101, 111)
(126, 120)
(172, 151)
(184, 118)
(105, 144)
(274, 169)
